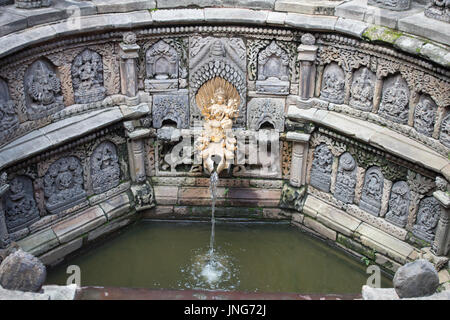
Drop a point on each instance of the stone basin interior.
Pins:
(257, 257)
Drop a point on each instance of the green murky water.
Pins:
(252, 257)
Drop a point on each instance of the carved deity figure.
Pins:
(346, 179)
(21, 209)
(395, 99)
(425, 115)
(445, 131)
(43, 90)
(87, 77)
(321, 168)
(362, 90)
(372, 191)
(8, 117)
(217, 143)
(333, 84)
(63, 184)
(427, 219)
(399, 204)
(105, 171)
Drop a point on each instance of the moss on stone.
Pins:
(383, 34)
(354, 246)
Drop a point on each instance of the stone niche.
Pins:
(211, 57)
(444, 136)
(321, 168)
(42, 90)
(21, 208)
(63, 184)
(8, 117)
(362, 89)
(105, 170)
(87, 77)
(161, 67)
(171, 108)
(346, 178)
(427, 219)
(399, 204)
(397, 5)
(372, 191)
(266, 113)
(333, 84)
(425, 115)
(395, 100)
(273, 70)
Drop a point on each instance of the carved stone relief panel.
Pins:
(63, 184)
(273, 70)
(105, 170)
(397, 5)
(372, 191)
(427, 218)
(21, 208)
(174, 107)
(87, 77)
(399, 204)
(161, 68)
(333, 84)
(362, 89)
(42, 90)
(425, 115)
(266, 113)
(439, 10)
(321, 168)
(8, 117)
(444, 136)
(395, 100)
(217, 57)
(346, 179)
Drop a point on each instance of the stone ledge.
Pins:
(56, 255)
(319, 7)
(40, 242)
(235, 15)
(116, 206)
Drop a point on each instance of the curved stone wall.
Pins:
(94, 106)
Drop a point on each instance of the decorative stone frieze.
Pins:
(346, 178)
(372, 191)
(87, 77)
(31, 4)
(63, 184)
(362, 90)
(174, 107)
(307, 53)
(425, 115)
(105, 170)
(266, 113)
(439, 10)
(321, 168)
(273, 70)
(9, 122)
(5, 239)
(42, 90)
(129, 53)
(399, 204)
(397, 5)
(333, 84)
(161, 68)
(427, 219)
(395, 100)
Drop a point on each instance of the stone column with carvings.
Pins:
(300, 145)
(4, 235)
(129, 53)
(441, 244)
(307, 53)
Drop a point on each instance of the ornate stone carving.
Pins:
(143, 196)
(397, 5)
(273, 70)
(105, 171)
(444, 136)
(266, 113)
(372, 191)
(173, 107)
(217, 57)
(8, 117)
(321, 168)
(333, 84)
(427, 219)
(21, 208)
(362, 90)
(399, 204)
(346, 179)
(63, 184)
(292, 198)
(87, 77)
(425, 115)
(161, 68)
(31, 4)
(395, 100)
(42, 90)
(439, 10)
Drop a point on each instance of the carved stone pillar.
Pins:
(136, 151)
(4, 235)
(441, 242)
(300, 145)
(129, 53)
(307, 52)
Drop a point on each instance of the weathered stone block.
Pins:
(165, 195)
(319, 228)
(116, 206)
(110, 227)
(416, 279)
(40, 242)
(56, 255)
(110, 6)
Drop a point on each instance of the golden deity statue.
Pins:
(219, 102)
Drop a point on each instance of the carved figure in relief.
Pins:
(105, 171)
(321, 168)
(8, 117)
(346, 179)
(362, 90)
(399, 204)
(427, 219)
(445, 131)
(333, 84)
(395, 100)
(372, 191)
(425, 115)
